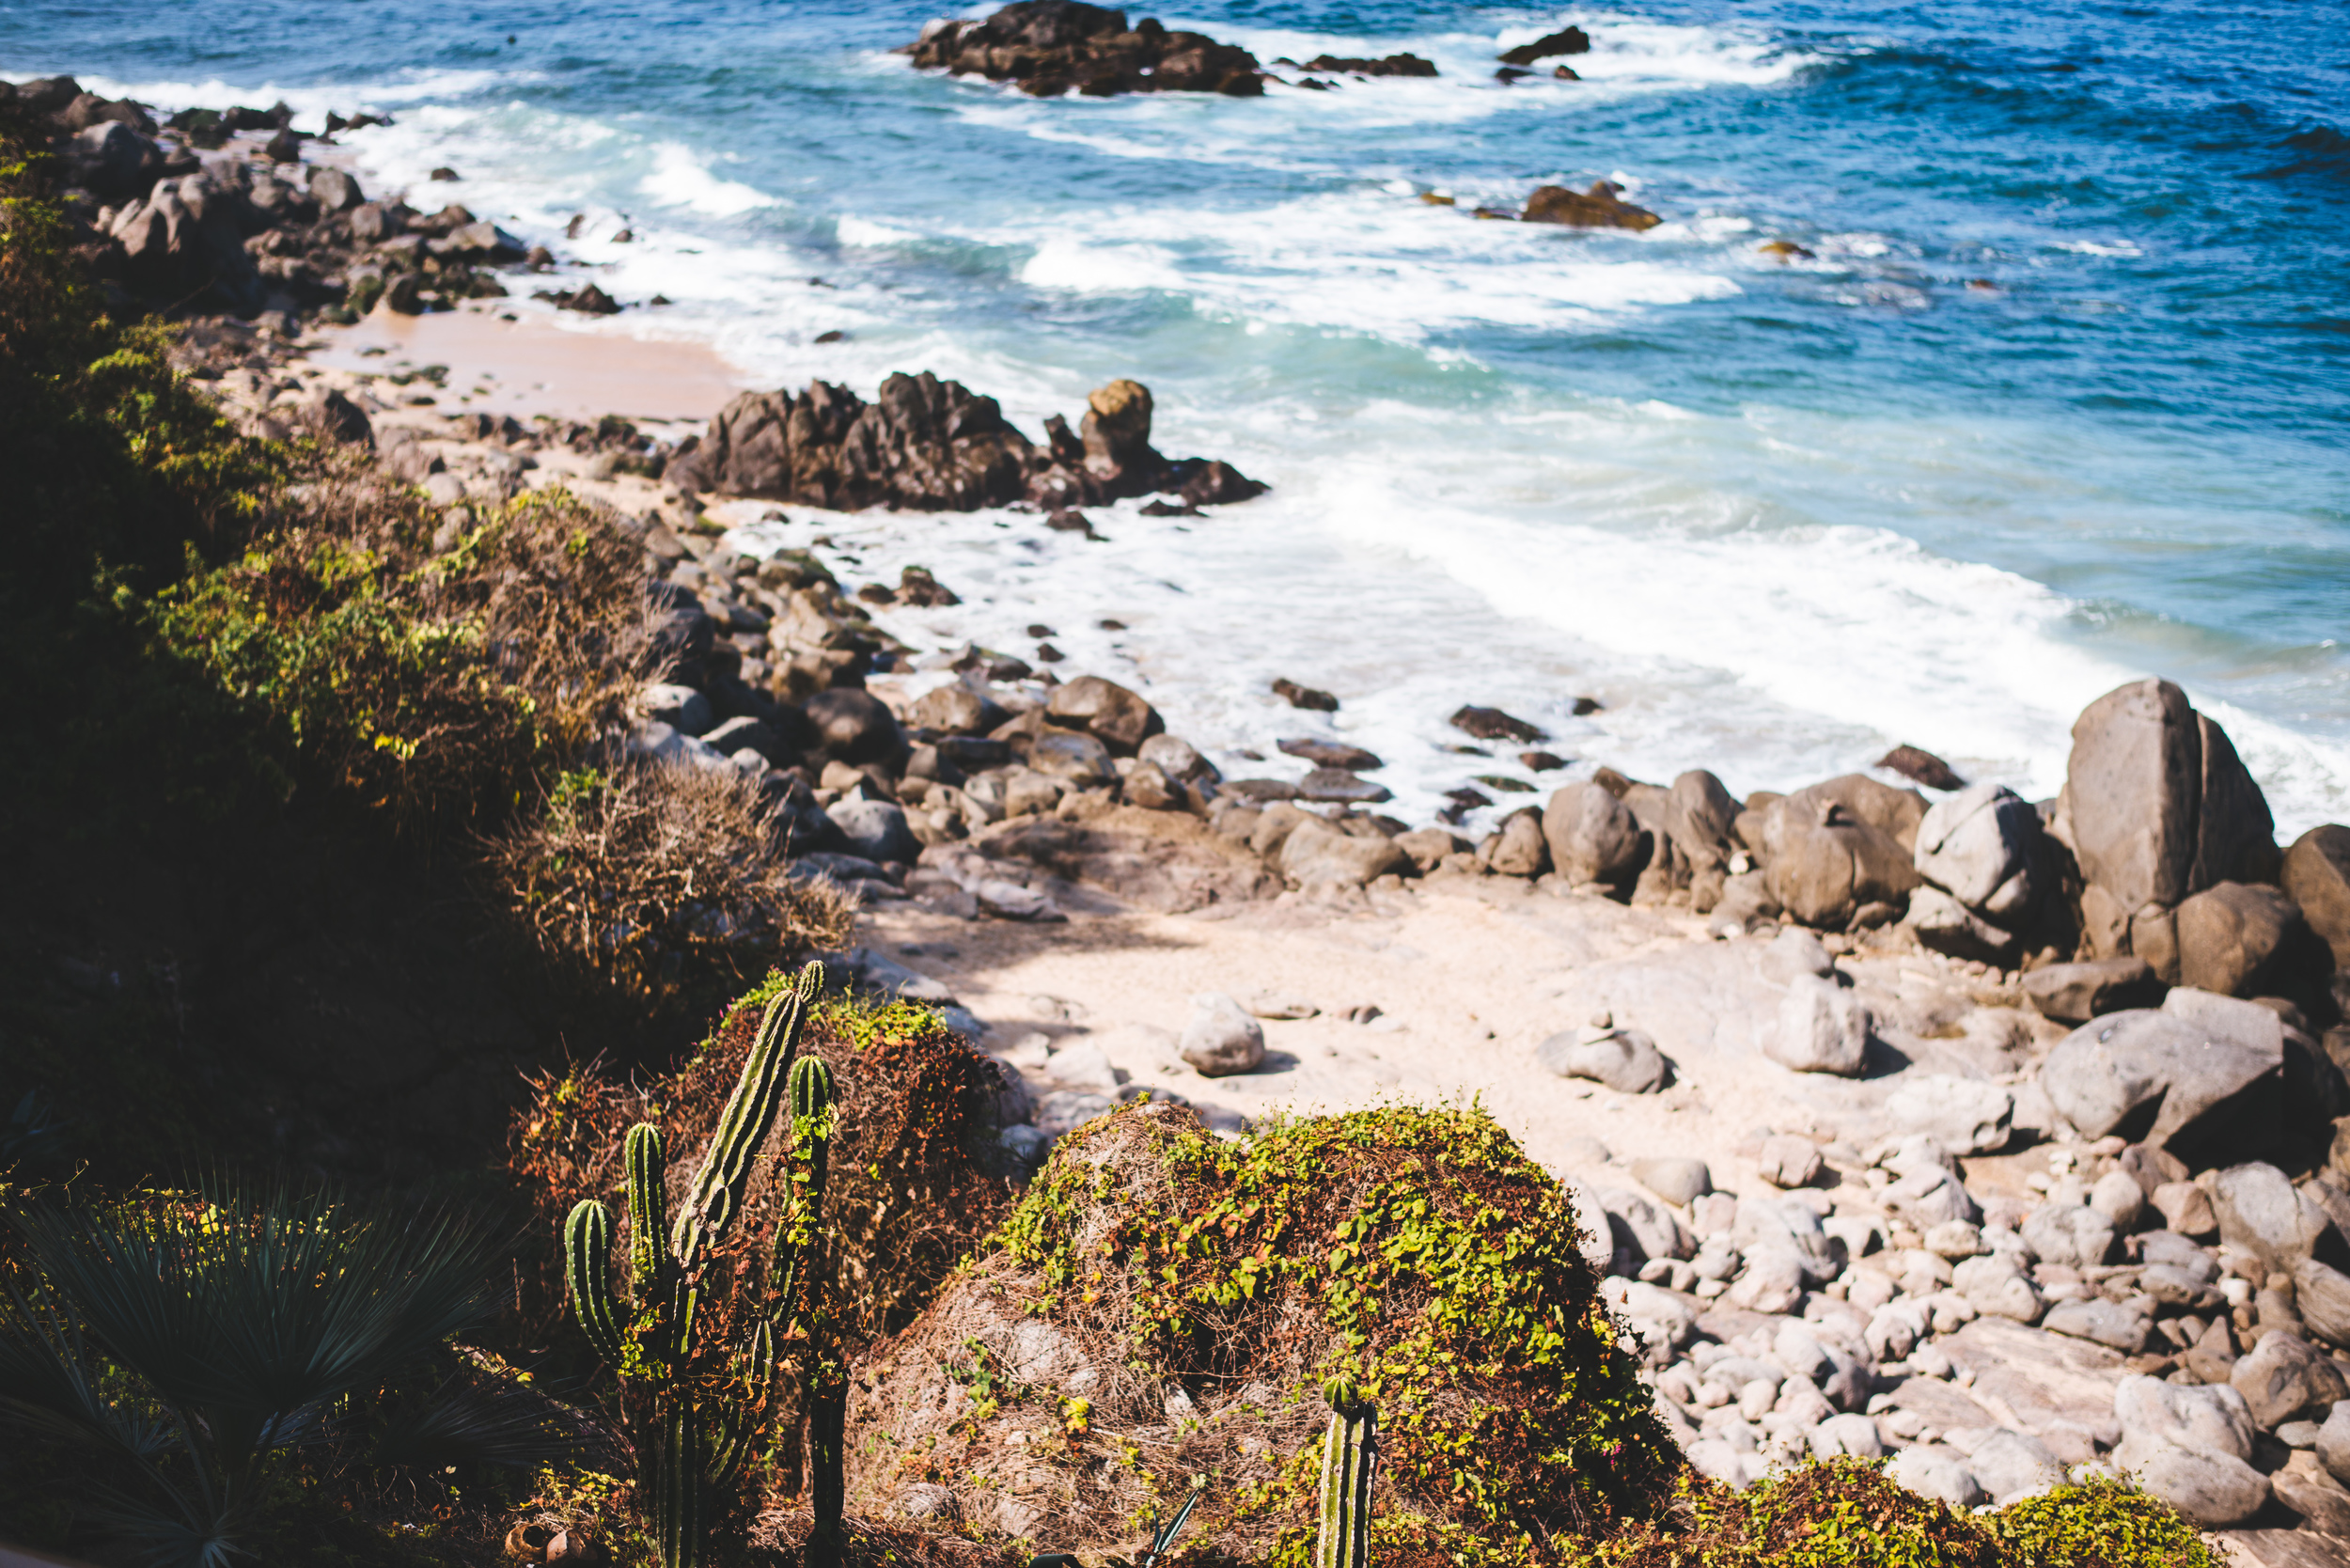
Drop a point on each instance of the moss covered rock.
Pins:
(1164, 1307)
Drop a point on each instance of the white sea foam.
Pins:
(681, 178)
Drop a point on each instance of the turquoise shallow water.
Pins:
(1777, 515)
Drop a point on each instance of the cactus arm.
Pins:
(1348, 1456)
(648, 1209)
(813, 1115)
(587, 1269)
(749, 1115)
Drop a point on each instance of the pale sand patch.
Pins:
(1468, 984)
(533, 366)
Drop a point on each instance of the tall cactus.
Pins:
(804, 1290)
(1349, 1456)
(708, 1403)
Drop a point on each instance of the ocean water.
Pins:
(2057, 401)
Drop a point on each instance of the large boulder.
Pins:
(1820, 1027)
(2190, 1447)
(2262, 1213)
(1594, 836)
(1981, 846)
(2075, 992)
(1834, 848)
(2317, 876)
(1116, 718)
(2236, 937)
(2152, 1074)
(2321, 1293)
(1221, 1039)
(852, 726)
(1315, 854)
(1601, 207)
(2157, 805)
(2284, 1376)
(1966, 1115)
(1625, 1061)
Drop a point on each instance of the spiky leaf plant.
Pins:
(189, 1341)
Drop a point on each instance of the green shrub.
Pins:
(2099, 1524)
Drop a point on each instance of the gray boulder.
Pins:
(2321, 1293)
(1765, 1224)
(955, 709)
(1592, 836)
(876, 830)
(1788, 1161)
(2233, 938)
(1078, 760)
(1625, 1061)
(1315, 854)
(1677, 1180)
(852, 726)
(333, 190)
(1930, 1197)
(1831, 849)
(1820, 1027)
(1850, 1435)
(2101, 1322)
(1178, 759)
(2011, 1464)
(1981, 846)
(2113, 1069)
(2284, 1376)
(2155, 804)
(2261, 1213)
(2317, 879)
(1944, 925)
(1933, 1470)
(2190, 1445)
(1519, 850)
(1967, 1116)
(2071, 1235)
(1995, 1288)
(2075, 992)
(2333, 1443)
(1116, 718)
(1221, 1039)
(1649, 1227)
(1795, 952)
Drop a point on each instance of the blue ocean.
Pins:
(2054, 396)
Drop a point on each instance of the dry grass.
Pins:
(650, 875)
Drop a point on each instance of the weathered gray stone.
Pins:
(1592, 836)
(1820, 1027)
(1315, 854)
(2072, 1236)
(1221, 1039)
(2284, 1376)
(1116, 718)
(2075, 992)
(1967, 1116)
(1934, 1471)
(2120, 1198)
(1853, 1435)
(1795, 952)
(2100, 1322)
(2214, 1490)
(1650, 1226)
(2234, 937)
(2155, 804)
(1788, 1161)
(2190, 1447)
(1764, 1223)
(1832, 848)
(1995, 1288)
(1627, 1061)
(681, 708)
(1944, 925)
(1677, 1180)
(1929, 1197)
(1772, 1282)
(853, 725)
(1518, 850)
(2012, 1465)
(876, 830)
(2186, 1208)
(2321, 1293)
(2333, 1442)
(2261, 1213)
(2111, 1070)
(1665, 1320)
(1981, 846)
(2317, 878)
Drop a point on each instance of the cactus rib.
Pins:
(1348, 1457)
(647, 1208)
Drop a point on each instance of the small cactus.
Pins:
(1348, 1457)
(588, 1268)
(812, 1118)
(647, 1208)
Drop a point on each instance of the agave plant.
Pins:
(190, 1342)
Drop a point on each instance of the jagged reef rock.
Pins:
(1195, 1294)
(926, 445)
(1049, 47)
(1601, 207)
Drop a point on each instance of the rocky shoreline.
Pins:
(2056, 1173)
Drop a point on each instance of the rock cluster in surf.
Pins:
(1050, 47)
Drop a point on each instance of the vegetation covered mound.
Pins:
(1163, 1309)
(1848, 1511)
(918, 1176)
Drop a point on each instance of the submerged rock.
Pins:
(1050, 47)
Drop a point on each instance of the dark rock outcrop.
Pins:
(1050, 47)
(928, 445)
(1601, 207)
(1568, 40)
(1390, 64)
